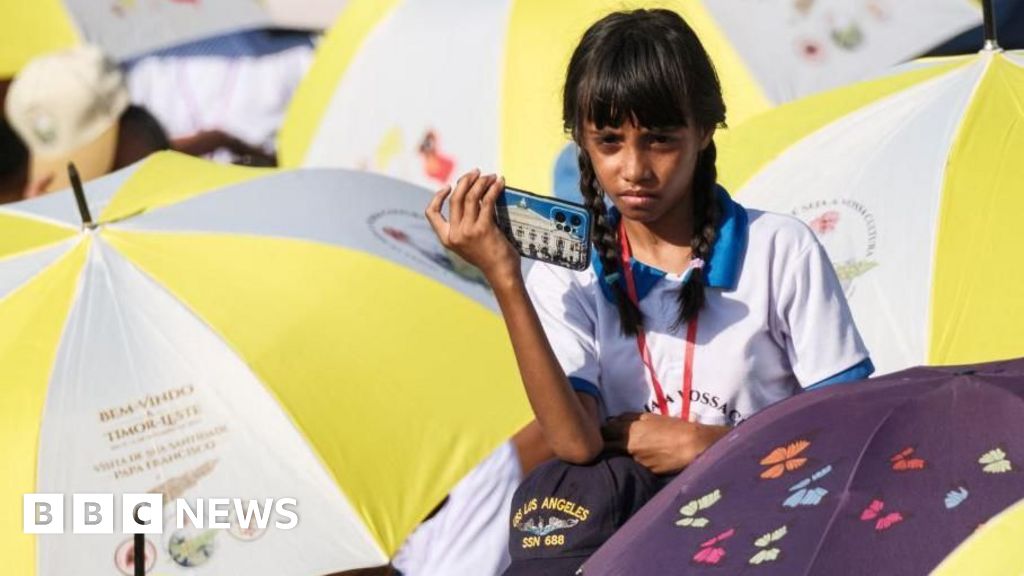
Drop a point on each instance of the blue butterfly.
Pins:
(956, 497)
(803, 494)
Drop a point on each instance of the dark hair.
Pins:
(13, 153)
(139, 135)
(647, 66)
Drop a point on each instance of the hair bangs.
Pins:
(636, 82)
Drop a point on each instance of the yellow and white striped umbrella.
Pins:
(426, 89)
(913, 183)
(130, 28)
(237, 332)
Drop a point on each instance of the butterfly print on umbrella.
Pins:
(709, 552)
(784, 459)
(905, 461)
(883, 522)
(766, 554)
(995, 462)
(806, 492)
(956, 497)
(691, 508)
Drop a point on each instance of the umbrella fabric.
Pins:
(912, 183)
(994, 549)
(236, 332)
(885, 476)
(130, 28)
(424, 90)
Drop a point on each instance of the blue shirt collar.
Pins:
(722, 270)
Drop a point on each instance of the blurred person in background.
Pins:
(13, 156)
(73, 106)
(13, 164)
(224, 97)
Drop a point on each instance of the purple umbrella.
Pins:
(885, 476)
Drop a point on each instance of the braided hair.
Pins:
(647, 67)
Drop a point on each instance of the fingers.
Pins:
(434, 216)
(458, 199)
(618, 427)
(471, 210)
(490, 198)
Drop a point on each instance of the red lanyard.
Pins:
(641, 340)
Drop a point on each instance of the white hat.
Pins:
(66, 106)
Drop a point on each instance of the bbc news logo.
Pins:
(144, 513)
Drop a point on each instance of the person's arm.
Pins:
(663, 444)
(569, 420)
(531, 448)
(209, 141)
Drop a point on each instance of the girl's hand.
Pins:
(470, 230)
(664, 445)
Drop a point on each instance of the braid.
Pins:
(706, 214)
(606, 244)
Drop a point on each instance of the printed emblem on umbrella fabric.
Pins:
(689, 511)
(804, 493)
(882, 521)
(767, 554)
(956, 497)
(784, 459)
(709, 553)
(904, 461)
(995, 462)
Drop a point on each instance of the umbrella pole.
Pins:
(76, 185)
(140, 555)
(988, 14)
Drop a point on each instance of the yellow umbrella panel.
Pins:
(912, 184)
(129, 28)
(228, 332)
(994, 548)
(425, 90)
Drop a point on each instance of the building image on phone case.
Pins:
(556, 239)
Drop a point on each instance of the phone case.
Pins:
(545, 229)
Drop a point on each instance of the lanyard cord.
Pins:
(641, 340)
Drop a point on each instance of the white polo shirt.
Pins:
(775, 321)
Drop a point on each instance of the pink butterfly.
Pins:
(711, 554)
(882, 522)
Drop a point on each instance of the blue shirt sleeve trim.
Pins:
(585, 386)
(858, 371)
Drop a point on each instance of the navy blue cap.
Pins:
(562, 513)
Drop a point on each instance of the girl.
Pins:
(696, 312)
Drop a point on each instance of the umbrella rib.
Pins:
(846, 489)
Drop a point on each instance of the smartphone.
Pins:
(546, 229)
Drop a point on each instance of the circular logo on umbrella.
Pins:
(410, 233)
(190, 547)
(847, 230)
(246, 534)
(124, 557)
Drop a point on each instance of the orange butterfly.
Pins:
(903, 462)
(784, 459)
(882, 522)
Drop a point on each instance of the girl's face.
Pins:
(646, 172)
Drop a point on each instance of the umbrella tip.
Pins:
(83, 206)
(989, 21)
